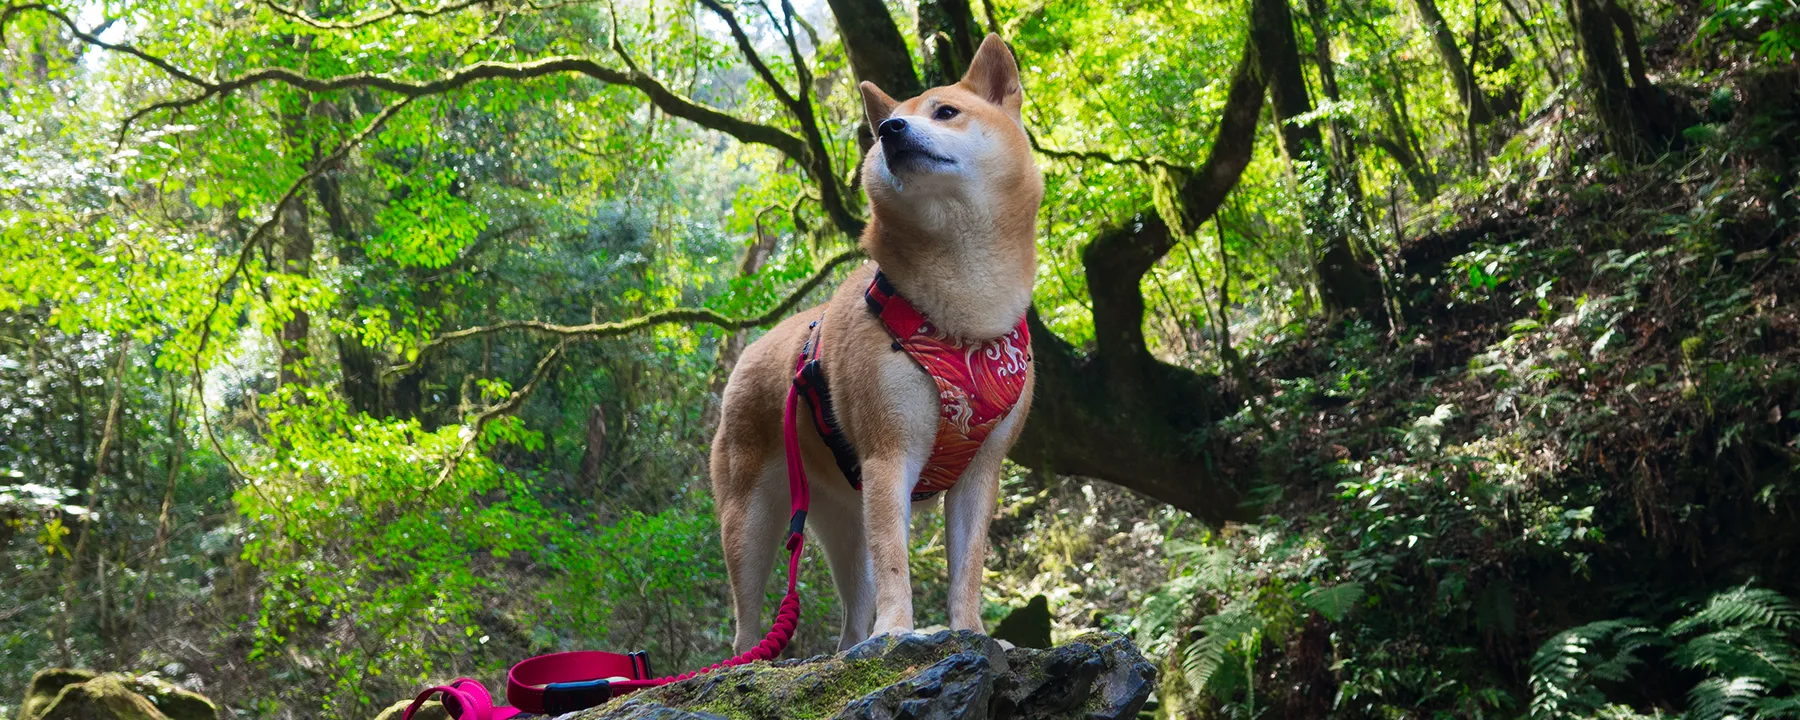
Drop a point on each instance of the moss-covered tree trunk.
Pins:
(1344, 282)
(948, 38)
(1637, 118)
(1461, 74)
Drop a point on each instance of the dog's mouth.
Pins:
(911, 155)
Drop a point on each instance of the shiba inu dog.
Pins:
(954, 194)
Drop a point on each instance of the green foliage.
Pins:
(1774, 23)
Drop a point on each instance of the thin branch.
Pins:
(95, 41)
(818, 157)
(71, 581)
(471, 433)
(397, 10)
(243, 261)
(1149, 163)
(596, 331)
(752, 56)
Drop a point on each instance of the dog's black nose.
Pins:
(891, 127)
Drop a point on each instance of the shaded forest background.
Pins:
(1398, 358)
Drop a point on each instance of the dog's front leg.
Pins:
(968, 507)
(887, 516)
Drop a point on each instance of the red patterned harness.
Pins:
(979, 383)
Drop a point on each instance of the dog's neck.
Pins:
(970, 272)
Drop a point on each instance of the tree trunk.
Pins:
(1118, 413)
(1345, 164)
(877, 51)
(594, 457)
(1344, 283)
(295, 257)
(1637, 118)
(358, 366)
(1461, 75)
(948, 38)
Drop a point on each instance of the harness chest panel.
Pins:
(978, 382)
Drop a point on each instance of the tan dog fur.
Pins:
(958, 239)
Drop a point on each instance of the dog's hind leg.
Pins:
(752, 521)
(838, 523)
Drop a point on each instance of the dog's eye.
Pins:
(945, 112)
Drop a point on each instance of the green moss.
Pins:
(803, 692)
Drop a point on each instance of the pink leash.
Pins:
(565, 682)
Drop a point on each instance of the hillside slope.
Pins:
(1588, 412)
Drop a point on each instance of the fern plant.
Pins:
(1213, 619)
(1743, 640)
(1565, 668)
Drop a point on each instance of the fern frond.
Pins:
(1721, 699)
(1777, 708)
(1562, 670)
(1742, 606)
(1334, 601)
(1223, 633)
(1742, 652)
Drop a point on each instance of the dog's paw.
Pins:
(891, 630)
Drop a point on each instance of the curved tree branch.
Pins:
(1118, 413)
(752, 56)
(243, 261)
(667, 100)
(596, 331)
(817, 159)
(1099, 156)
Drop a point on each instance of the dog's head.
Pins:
(957, 145)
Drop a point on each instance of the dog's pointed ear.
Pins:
(994, 75)
(876, 104)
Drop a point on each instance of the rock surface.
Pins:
(944, 676)
(61, 694)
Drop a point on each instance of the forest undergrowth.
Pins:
(1562, 484)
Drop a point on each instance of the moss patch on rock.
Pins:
(65, 694)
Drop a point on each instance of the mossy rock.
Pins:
(944, 676)
(62, 694)
(45, 686)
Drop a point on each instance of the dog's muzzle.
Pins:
(903, 149)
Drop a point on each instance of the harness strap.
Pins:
(566, 682)
(810, 379)
(901, 318)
